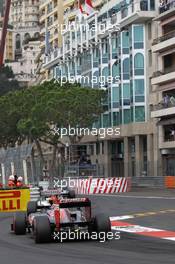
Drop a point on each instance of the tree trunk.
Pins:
(42, 160)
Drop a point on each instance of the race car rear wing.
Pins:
(51, 192)
(76, 202)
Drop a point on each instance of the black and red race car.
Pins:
(50, 221)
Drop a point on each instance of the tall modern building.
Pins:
(96, 50)
(24, 17)
(163, 85)
(51, 19)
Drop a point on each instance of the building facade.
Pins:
(116, 42)
(9, 45)
(25, 67)
(163, 85)
(24, 17)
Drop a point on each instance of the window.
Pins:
(139, 64)
(139, 114)
(116, 120)
(96, 79)
(126, 69)
(115, 70)
(114, 43)
(125, 42)
(126, 94)
(149, 31)
(127, 116)
(115, 97)
(105, 73)
(138, 37)
(139, 90)
(105, 120)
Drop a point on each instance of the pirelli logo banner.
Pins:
(14, 200)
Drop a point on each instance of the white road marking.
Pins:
(136, 197)
(123, 217)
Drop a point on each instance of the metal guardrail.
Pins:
(147, 181)
(164, 37)
(165, 71)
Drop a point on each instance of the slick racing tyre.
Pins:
(102, 223)
(31, 207)
(19, 223)
(42, 229)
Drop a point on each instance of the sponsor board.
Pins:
(14, 200)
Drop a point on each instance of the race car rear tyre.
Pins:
(31, 207)
(102, 223)
(42, 229)
(19, 223)
(71, 194)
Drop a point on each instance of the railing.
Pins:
(166, 71)
(164, 37)
(163, 105)
(167, 6)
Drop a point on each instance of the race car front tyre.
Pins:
(19, 223)
(102, 223)
(31, 207)
(42, 229)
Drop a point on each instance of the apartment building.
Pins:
(163, 85)
(25, 67)
(9, 45)
(24, 17)
(122, 50)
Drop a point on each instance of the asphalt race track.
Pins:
(130, 249)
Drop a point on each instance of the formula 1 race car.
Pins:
(62, 216)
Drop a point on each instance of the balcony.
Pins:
(136, 12)
(167, 8)
(161, 77)
(167, 134)
(164, 42)
(53, 58)
(166, 107)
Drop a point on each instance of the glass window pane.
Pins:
(139, 114)
(115, 70)
(138, 33)
(127, 116)
(139, 87)
(126, 90)
(139, 64)
(116, 120)
(125, 39)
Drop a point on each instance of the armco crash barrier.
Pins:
(14, 200)
(101, 185)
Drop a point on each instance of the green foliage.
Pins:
(7, 81)
(32, 113)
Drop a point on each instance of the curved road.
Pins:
(130, 249)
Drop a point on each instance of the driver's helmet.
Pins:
(11, 178)
(20, 179)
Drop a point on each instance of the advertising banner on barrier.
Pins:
(14, 200)
(100, 185)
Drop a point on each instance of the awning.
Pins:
(163, 122)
